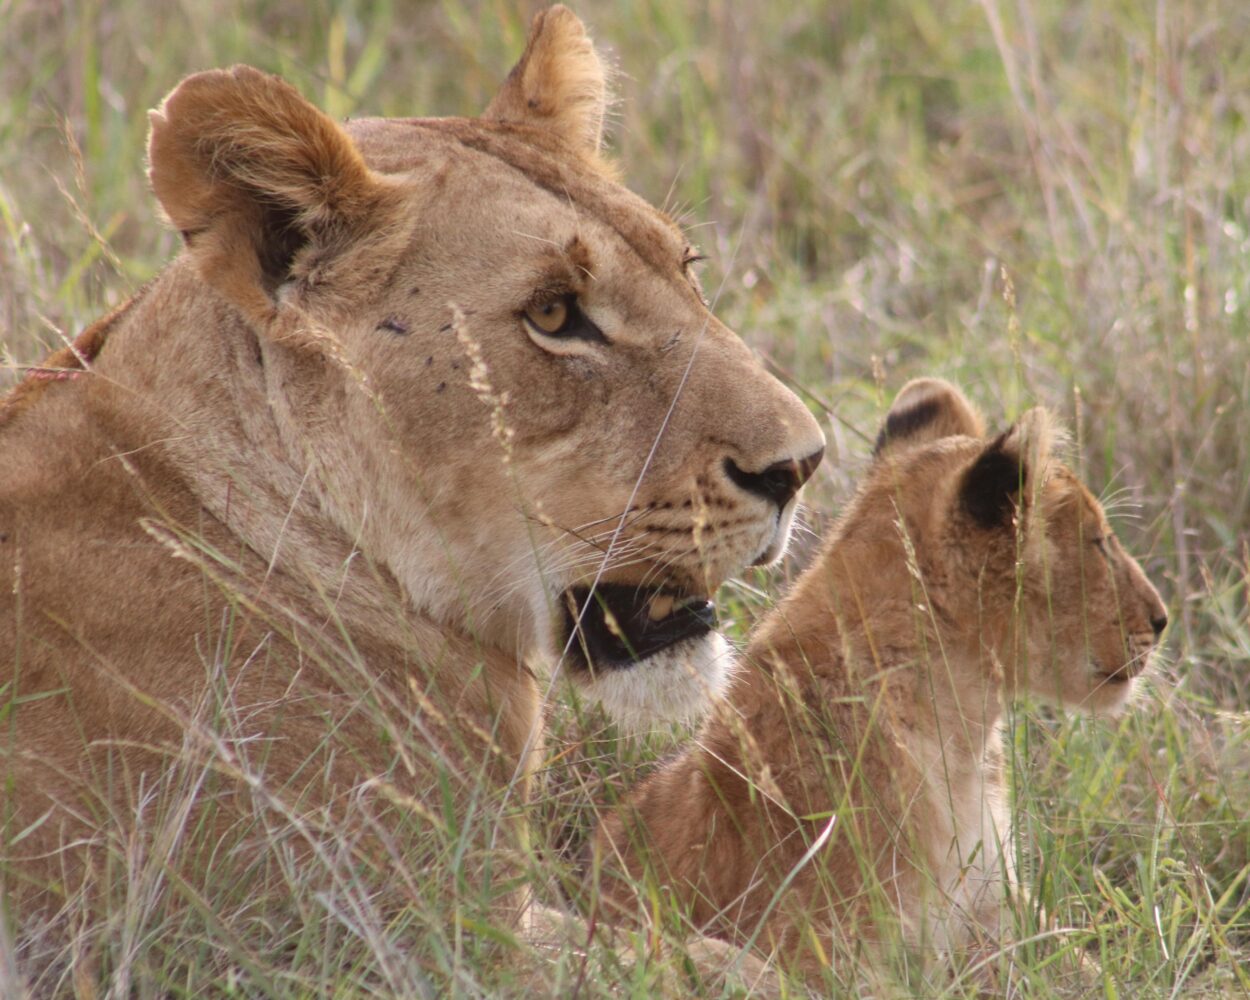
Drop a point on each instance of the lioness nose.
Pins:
(1159, 623)
(780, 481)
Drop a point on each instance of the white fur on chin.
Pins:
(676, 684)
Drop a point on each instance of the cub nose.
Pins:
(1159, 623)
(780, 481)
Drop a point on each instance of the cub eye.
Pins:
(561, 318)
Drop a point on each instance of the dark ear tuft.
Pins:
(992, 484)
(906, 423)
(925, 410)
(1009, 469)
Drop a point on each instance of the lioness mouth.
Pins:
(621, 625)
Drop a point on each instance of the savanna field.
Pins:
(1043, 203)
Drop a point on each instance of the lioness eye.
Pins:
(561, 318)
(550, 317)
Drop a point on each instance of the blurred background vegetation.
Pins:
(1044, 202)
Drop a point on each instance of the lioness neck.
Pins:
(205, 410)
(167, 450)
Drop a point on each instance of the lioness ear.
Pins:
(559, 84)
(927, 409)
(249, 172)
(1008, 470)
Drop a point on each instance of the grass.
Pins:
(1042, 202)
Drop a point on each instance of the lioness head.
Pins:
(1023, 557)
(496, 363)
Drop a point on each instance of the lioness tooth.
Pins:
(661, 606)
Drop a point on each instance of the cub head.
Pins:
(495, 363)
(1015, 551)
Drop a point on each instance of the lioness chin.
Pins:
(421, 404)
(852, 782)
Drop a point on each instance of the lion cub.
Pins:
(854, 777)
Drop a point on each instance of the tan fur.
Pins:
(560, 86)
(858, 755)
(321, 470)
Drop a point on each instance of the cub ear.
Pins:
(249, 172)
(1008, 470)
(559, 85)
(925, 410)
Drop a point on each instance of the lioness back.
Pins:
(422, 404)
(852, 780)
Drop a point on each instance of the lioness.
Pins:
(420, 405)
(854, 774)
